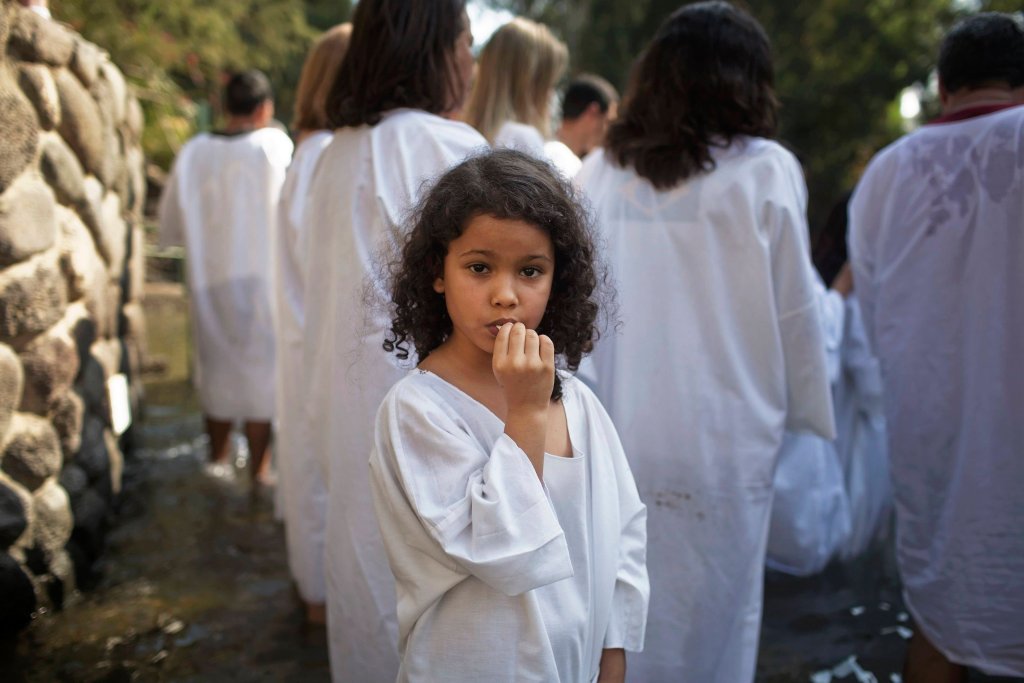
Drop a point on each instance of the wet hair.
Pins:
(246, 91)
(583, 91)
(829, 251)
(505, 184)
(318, 73)
(516, 74)
(983, 49)
(706, 78)
(401, 54)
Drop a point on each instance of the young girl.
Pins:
(515, 81)
(508, 511)
(721, 347)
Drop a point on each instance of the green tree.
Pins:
(840, 65)
(177, 54)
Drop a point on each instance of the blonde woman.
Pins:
(515, 80)
(300, 471)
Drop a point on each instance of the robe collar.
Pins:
(973, 112)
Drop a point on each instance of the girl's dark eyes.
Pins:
(530, 271)
(478, 268)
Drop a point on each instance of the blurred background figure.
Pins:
(589, 104)
(302, 479)
(515, 81)
(408, 64)
(220, 201)
(721, 347)
(937, 247)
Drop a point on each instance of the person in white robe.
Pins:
(514, 86)
(511, 520)
(302, 479)
(720, 348)
(366, 180)
(589, 104)
(937, 247)
(221, 202)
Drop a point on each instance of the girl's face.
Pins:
(498, 270)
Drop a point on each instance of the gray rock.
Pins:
(113, 234)
(80, 124)
(80, 261)
(116, 461)
(53, 518)
(15, 513)
(19, 596)
(37, 83)
(108, 353)
(107, 326)
(94, 455)
(82, 329)
(91, 385)
(19, 130)
(135, 164)
(31, 452)
(85, 61)
(135, 281)
(51, 365)
(35, 39)
(111, 172)
(66, 413)
(27, 222)
(62, 572)
(74, 480)
(134, 118)
(118, 89)
(90, 512)
(32, 297)
(62, 170)
(12, 382)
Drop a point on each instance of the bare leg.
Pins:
(258, 436)
(316, 613)
(219, 432)
(925, 664)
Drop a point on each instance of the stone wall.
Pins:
(71, 278)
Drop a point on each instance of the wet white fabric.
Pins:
(365, 183)
(499, 577)
(861, 438)
(302, 480)
(720, 350)
(563, 158)
(810, 518)
(521, 137)
(937, 246)
(220, 202)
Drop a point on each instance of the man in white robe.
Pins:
(221, 203)
(937, 246)
(590, 103)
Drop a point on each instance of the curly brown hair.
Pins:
(505, 184)
(706, 78)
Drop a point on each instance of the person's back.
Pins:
(938, 252)
(385, 107)
(221, 203)
(720, 347)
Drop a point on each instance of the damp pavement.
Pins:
(193, 585)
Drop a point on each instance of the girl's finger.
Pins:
(547, 349)
(501, 341)
(531, 345)
(516, 339)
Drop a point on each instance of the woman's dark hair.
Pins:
(505, 184)
(706, 78)
(829, 249)
(400, 55)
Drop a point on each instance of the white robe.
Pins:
(563, 158)
(496, 580)
(221, 203)
(810, 518)
(365, 182)
(937, 246)
(719, 351)
(522, 137)
(861, 437)
(301, 476)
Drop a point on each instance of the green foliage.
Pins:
(178, 54)
(840, 64)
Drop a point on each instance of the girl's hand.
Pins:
(524, 366)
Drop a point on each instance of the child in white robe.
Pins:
(508, 511)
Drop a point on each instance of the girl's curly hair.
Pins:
(505, 184)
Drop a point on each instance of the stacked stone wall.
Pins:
(72, 186)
